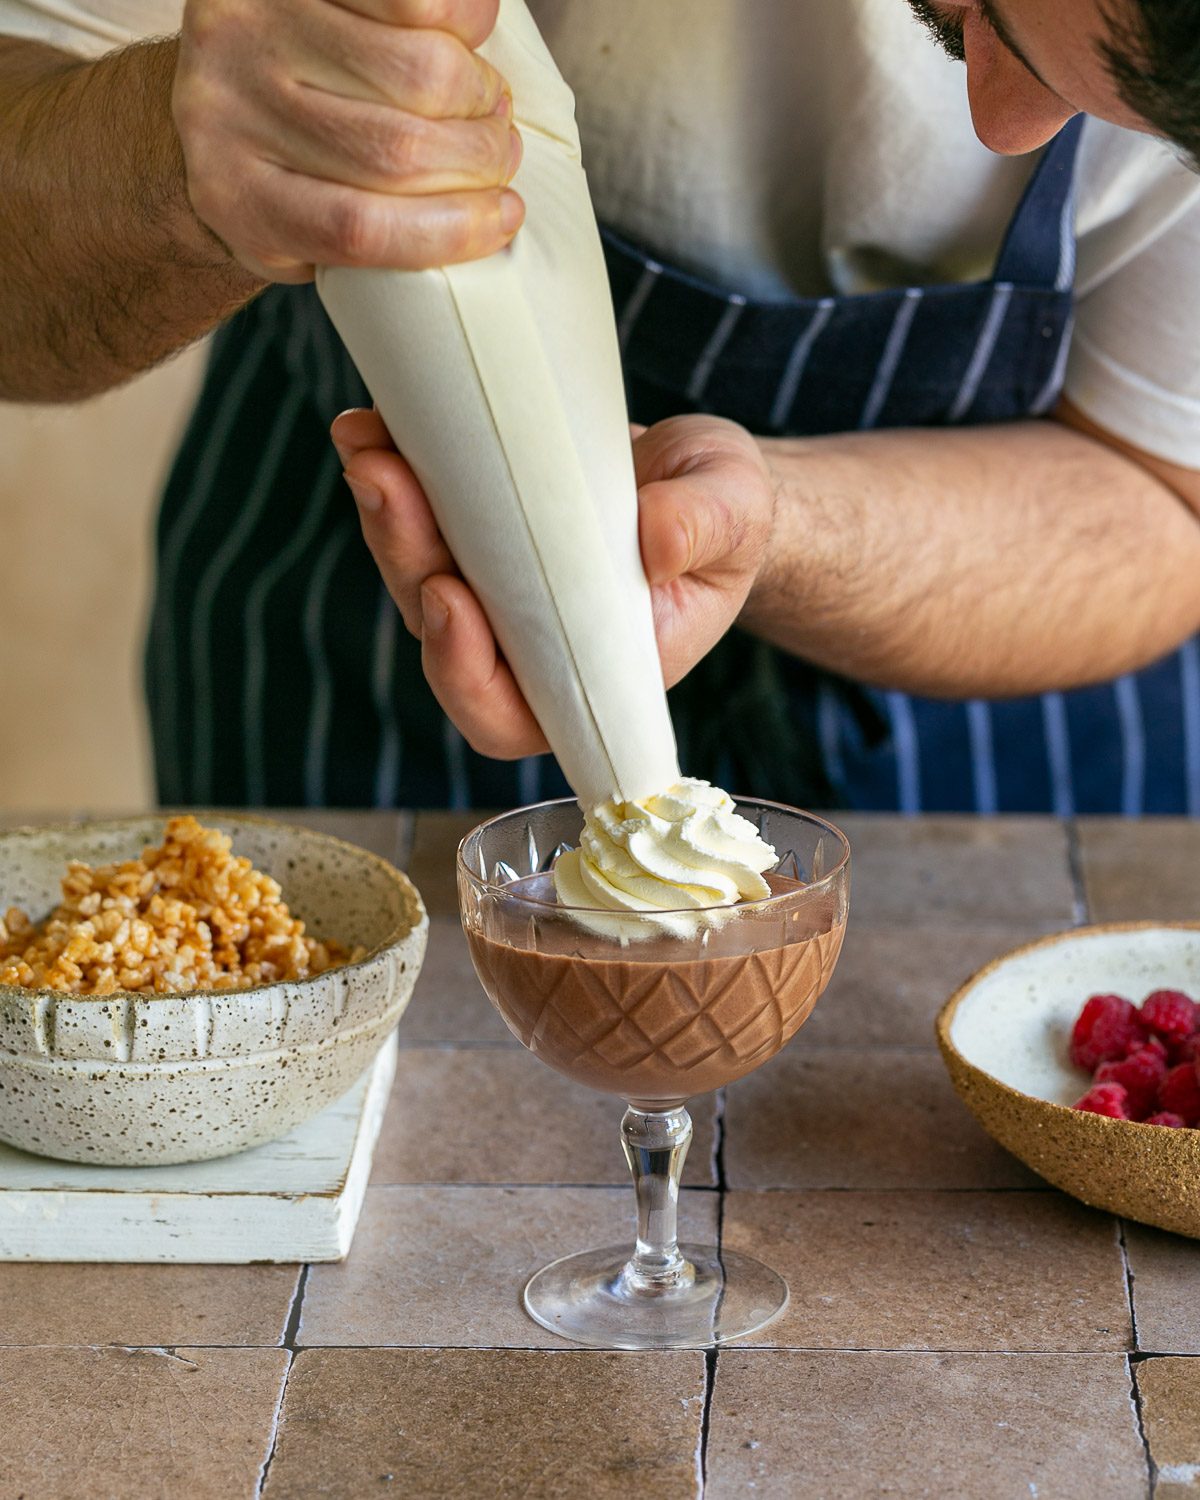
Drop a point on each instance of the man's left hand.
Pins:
(706, 504)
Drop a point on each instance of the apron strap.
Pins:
(1039, 248)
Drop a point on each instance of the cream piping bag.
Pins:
(500, 382)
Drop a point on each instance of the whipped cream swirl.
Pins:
(676, 852)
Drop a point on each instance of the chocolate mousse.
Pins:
(659, 1020)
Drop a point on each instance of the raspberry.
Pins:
(1140, 1075)
(1156, 1045)
(1186, 1051)
(1104, 1099)
(1170, 1013)
(1179, 1093)
(1165, 1117)
(1108, 1027)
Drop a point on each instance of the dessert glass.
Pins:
(653, 1008)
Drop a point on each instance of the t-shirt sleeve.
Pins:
(1134, 364)
(89, 29)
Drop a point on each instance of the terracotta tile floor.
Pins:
(957, 1328)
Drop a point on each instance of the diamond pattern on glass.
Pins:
(549, 861)
(789, 865)
(689, 1019)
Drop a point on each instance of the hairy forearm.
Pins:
(980, 562)
(104, 269)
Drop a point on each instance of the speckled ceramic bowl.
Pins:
(1004, 1037)
(127, 1079)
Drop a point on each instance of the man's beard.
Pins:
(945, 30)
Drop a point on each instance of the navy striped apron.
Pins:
(278, 673)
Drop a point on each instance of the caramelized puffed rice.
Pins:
(188, 915)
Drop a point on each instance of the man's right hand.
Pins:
(346, 132)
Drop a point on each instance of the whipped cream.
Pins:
(674, 853)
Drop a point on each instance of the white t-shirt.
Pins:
(809, 147)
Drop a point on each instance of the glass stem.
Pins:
(656, 1143)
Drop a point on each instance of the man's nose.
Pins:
(1013, 112)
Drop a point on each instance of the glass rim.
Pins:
(484, 886)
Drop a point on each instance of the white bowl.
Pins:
(129, 1079)
(1005, 1036)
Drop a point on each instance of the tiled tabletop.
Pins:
(956, 1328)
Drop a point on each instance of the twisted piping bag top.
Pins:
(500, 382)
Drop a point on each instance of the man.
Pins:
(768, 152)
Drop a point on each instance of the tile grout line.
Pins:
(292, 1327)
(710, 1355)
(405, 839)
(707, 1187)
(710, 1384)
(1127, 1269)
(1139, 1417)
(499, 1044)
(276, 1418)
(1135, 1393)
(1081, 913)
(928, 1349)
(1141, 1357)
(291, 1330)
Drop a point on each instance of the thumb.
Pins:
(683, 528)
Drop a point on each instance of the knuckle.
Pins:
(350, 232)
(201, 21)
(193, 107)
(414, 149)
(490, 150)
(216, 25)
(418, 248)
(414, 12)
(404, 597)
(434, 14)
(391, 147)
(403, 148)
(457, 236)
(472, 20)
(441, 72)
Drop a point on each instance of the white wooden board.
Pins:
(295, 1199)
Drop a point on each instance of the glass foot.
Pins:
(588, 1298)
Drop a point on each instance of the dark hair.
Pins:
(1153, 55)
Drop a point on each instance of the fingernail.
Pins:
(516, 152)
(512, 213)
(505, 106)
(434, 614)
(345, 450)
(366, 496)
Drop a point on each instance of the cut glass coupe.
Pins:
(655, 1008)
